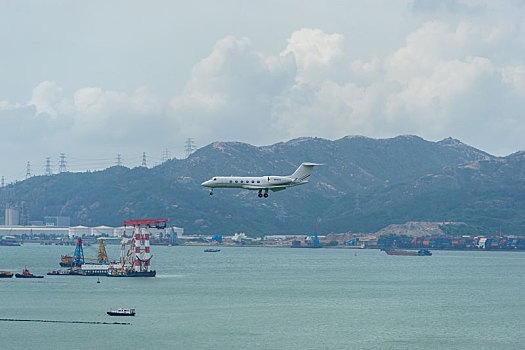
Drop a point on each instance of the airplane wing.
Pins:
(275, 189)
(255, 188)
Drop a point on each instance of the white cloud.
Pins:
(515, 76)
(48, 98)
(450, 83)
(460, 76)
(6, 105)
(230, 93)
(315, 54)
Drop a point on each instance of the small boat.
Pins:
(6, 274)
(64, 272)
(210, 250)
(421, 252)
(26, 274)
(9, 243)
(122, 312)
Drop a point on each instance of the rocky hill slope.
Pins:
(366, 184)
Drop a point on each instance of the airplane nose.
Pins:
(205, 183)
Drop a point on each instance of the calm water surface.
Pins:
(271, 298)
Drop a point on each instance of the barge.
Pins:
(421, 252)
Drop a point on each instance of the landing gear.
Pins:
(261, 194)
(211, 192)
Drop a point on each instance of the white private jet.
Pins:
(263, 183)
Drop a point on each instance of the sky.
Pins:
(94, 79)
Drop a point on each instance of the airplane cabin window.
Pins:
(258, 181)
(231, 181)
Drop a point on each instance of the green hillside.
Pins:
(365, 185)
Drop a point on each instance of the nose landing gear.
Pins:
(211, 192)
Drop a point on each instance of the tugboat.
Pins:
(122, 312)
(9, 243)
(6, 274)
(421, 252)
(26, 274)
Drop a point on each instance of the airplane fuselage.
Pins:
(262, 183)
(251, 183)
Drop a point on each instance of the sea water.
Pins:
(271, 298)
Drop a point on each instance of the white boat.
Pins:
(122, 312)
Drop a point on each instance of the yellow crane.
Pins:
(102, 257)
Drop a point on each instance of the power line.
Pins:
(80, 164)
(62, 163)
(144, 160)
(189, 147)
(28, 170)
(166, 155)
(48, 166)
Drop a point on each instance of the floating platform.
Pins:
(118, 273)
(68, 272)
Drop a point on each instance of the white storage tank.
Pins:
(12, 217)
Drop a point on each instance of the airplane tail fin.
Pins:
(303, 172)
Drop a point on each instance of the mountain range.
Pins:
(365, 185)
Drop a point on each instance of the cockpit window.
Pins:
(214, 179)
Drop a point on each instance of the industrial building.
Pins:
(78, 231)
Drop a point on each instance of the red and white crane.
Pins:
(135, 261)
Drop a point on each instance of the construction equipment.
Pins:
(353, 241)
(135, 261)
(79, 259)
(78, 256)
(217, 238)
(173, 235)
(314, 240)
(102, 257)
